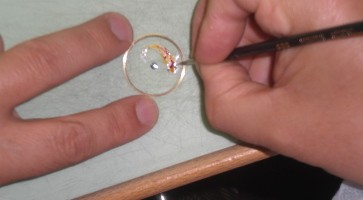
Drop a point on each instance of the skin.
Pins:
(305, 103)
(34, 147)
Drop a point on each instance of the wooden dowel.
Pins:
(181, 174)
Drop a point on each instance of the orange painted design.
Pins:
(168, 58)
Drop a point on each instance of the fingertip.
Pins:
(128, 118)
(120, 26)
(146, 111)
(220, 32)
(196, 22)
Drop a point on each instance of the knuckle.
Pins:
(73, 142)
(96, 38)
(39, 54)
(118, 129)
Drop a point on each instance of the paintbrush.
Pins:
(283, 43)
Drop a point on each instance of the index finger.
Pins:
(218, 30)
(40, 64)
(225, 24)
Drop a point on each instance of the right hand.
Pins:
(306, 102)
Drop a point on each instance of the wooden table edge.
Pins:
(182, 174)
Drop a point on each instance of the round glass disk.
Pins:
(150, 65)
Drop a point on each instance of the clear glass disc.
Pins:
(150, 65)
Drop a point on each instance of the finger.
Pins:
(259, 67)
(260, 70)
(197, 21)
(224, 25)
(47, 61)
(220, 31)
(56, 143)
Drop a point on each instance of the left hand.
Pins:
(31, 148)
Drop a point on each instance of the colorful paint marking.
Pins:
(167, 57)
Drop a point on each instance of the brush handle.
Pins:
(297, 40)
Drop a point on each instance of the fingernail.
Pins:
(146, 111)
(120, 27)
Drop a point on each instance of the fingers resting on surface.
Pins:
(38, 146)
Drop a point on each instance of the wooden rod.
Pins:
(181, 174)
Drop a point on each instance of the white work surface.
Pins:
(181, 132)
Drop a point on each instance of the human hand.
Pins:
(30, 148)
(306, 102)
